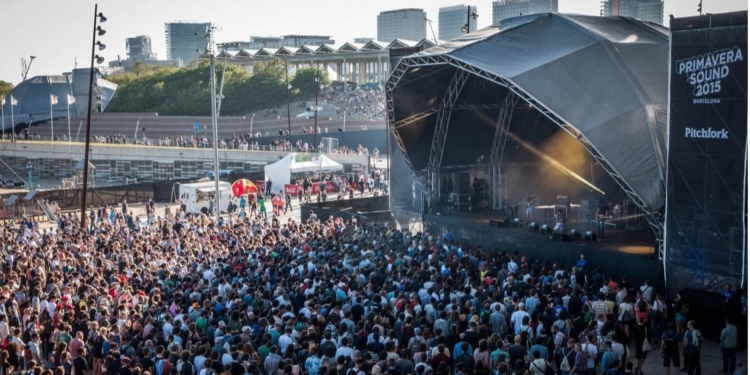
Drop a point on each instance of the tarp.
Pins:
(280, 172)
(604, 76)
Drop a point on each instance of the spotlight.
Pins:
(589, 236)
(100, 31)
(102, 19)
(465, 28)
(544, 229)
(341, 129)
(101, 45)
(99, 59)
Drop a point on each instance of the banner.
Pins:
(292, 190)
(707, 146)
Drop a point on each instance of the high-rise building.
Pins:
(406, 24)
(139, 48)
(503, 9)
(646, 10)
(185, 40)
(452, 21)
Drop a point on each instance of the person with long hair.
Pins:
(641, 339)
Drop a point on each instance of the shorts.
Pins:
(639, 353)
(530, 210)
(678, 317)
(673, 357)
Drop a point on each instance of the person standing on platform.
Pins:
(530, 206)
(602, 214)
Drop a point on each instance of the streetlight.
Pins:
(99, 59)
(469, 16)
(288, 109)
(317, 91)
(429, 22)
(27, 67)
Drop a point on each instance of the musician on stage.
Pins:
(530, 205)
(602, 214)
(560, 224)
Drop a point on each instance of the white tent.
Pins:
(280, 172)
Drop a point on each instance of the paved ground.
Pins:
(710, 360)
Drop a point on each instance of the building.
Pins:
(185, 40)
(452, 21)
(646, 10)
(406, 24)
(294, 40)
(503, 9)
(139, 48)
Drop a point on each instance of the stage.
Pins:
(623, 252)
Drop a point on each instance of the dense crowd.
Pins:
(260, 296)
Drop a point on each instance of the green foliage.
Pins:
(303, 83)
(186, 91)
(5, 88)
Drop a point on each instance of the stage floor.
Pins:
(625, 241)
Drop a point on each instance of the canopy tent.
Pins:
(587, 75)
(280, 172)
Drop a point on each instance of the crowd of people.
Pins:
(188, 296)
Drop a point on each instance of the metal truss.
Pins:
(433, 110)
(441, 133)
(502, 128)
(431, 62)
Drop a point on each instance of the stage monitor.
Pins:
(707, 151)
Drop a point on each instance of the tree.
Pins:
(303, 83)
(5, 88)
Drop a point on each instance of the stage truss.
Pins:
(412, 68)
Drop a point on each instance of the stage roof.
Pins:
(602, 79)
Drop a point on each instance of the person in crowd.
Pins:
(728, 342)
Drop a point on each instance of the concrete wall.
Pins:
(53, 161)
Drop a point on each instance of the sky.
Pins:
(59, 33)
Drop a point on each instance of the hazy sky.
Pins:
(59, 32)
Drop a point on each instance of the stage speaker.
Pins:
(499, 223)
(545, 229)
(564, 237)
(589, 236)
(533, 227)
(464, 183)
(575, 235)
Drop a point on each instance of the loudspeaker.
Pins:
(589, 236)
(499, 222)
(545, 229)
(533, 227)
(575, 235)
(464, 183)
(561, 237)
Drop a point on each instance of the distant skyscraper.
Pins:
(647, 10)
(503, 9)
(452, 19)
(139, 48)
(406, 24)
(185, 40)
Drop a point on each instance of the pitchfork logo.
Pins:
(705, 72)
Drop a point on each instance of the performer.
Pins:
(560, 224)
(602, 214)
(530, 205)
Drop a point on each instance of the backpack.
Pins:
(547, 368)
(163, 367)
(670, 344)
(187, 368)
(625, 316)
(565, 364)
(696, 339)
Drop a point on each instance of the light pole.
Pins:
(27, 67)
(429, 22)
(317, 91)
(97, 31)
(469, 16)
(288, 108)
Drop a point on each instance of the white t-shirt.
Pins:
(593, 352)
